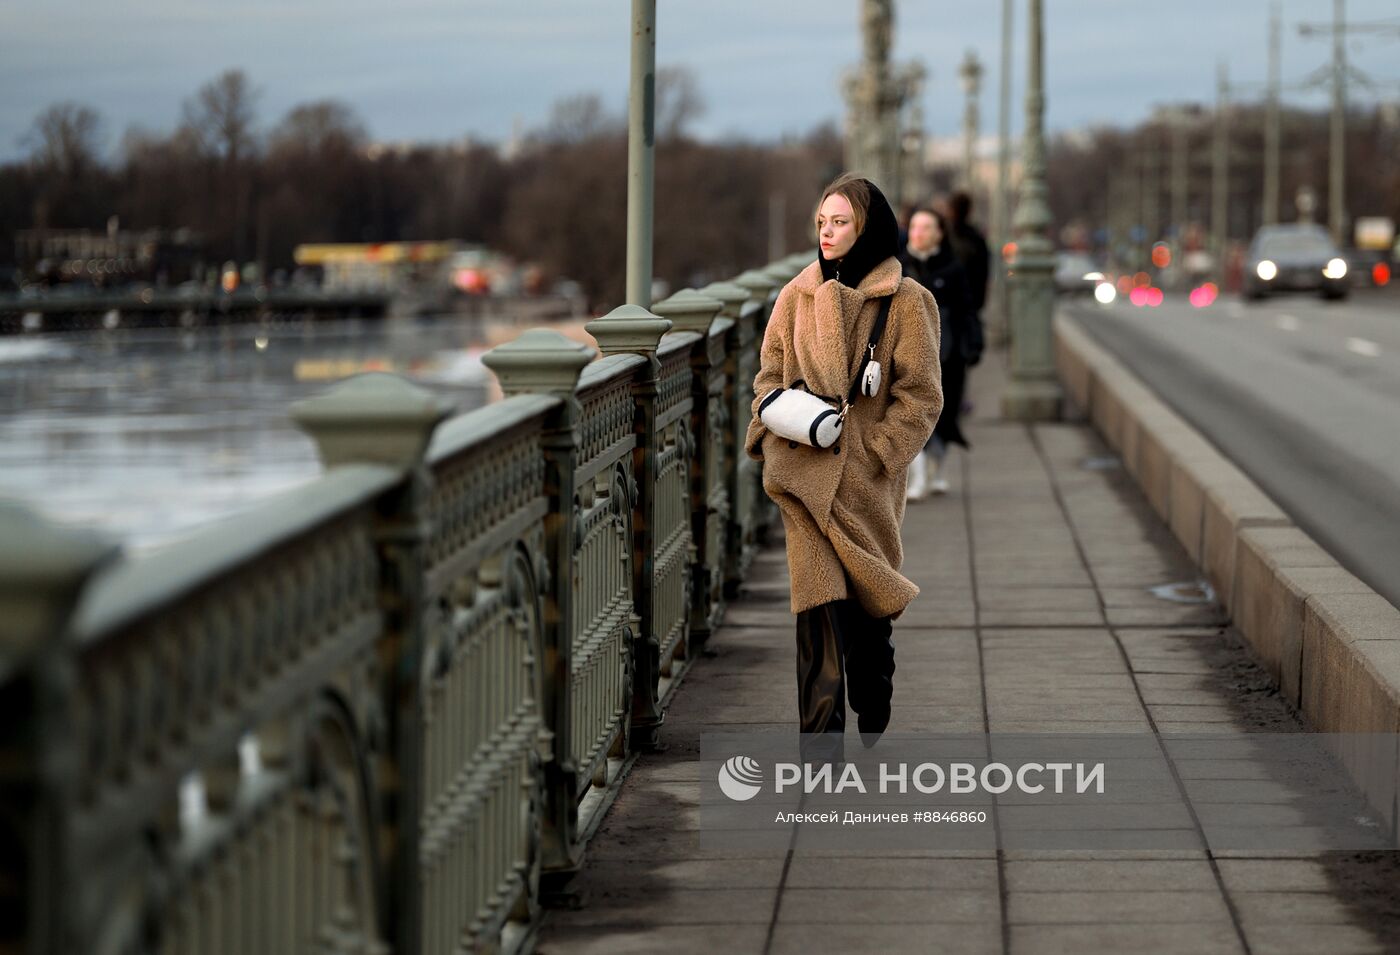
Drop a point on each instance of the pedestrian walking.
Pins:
(928, 259)
(842, 506)
(970, 246)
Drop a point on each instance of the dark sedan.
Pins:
(1295, 257)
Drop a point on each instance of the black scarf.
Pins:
(876, 243)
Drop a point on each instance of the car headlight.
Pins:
(1266, 270)
(1336, 269)
(1105, 293)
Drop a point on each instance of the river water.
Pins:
(150, 434)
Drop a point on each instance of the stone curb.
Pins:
(1331, 643)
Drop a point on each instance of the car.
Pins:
(1076, 273)
(1295, 257)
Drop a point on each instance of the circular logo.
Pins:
(740, 777)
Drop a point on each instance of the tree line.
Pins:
(558, 198)
(1082, 168)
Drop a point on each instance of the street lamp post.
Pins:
(1033, 393)
(1272, 121)
(1001, 199)
(970, 73)
(641, 140)
(1220, 173)
(1337, 164)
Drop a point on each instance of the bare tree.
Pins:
(678, 101)
(157, 187)
(221, 116)
(321, 125)
(577, 119)
(219, 119)
(66, 168)
(312, 179)
(65, 140)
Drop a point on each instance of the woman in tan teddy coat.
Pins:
(842, 506)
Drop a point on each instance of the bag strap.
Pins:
(875, 332)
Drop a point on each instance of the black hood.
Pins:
(875, 244)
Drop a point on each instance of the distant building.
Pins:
(396, 267)
(375, 266)
(944, 155)
(115, 257)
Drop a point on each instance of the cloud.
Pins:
(438, 69)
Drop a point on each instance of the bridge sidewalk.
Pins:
(1035, 616)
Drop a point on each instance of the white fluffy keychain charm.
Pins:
(870, 381)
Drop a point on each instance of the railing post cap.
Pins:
(539, 360)
(756, 283)
(726, 292)
(371, 418)
(43, 567)
(781, 272)
(689, 310)
(628, 328)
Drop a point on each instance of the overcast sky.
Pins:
(439, 69)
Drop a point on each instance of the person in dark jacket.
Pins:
(928, 259)
(970, 246)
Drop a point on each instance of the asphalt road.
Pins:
(1303, 395)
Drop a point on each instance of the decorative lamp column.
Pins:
(1033, 392)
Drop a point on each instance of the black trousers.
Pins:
(843, 651)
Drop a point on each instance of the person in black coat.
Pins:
(970, 246)
(928, 259)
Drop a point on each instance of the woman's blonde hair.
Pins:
(857, 192)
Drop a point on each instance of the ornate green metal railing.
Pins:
(386, 710)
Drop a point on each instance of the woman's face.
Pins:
(924, 234)
(836, 226)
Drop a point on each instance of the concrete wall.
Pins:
(1331, 643)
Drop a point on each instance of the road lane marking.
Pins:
(1363, 346)
(1289, 323)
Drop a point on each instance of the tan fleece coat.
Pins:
(842, 507)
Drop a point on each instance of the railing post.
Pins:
(753, 318)
(710, 423)
(740, 369)
(379, 418)
(631, 329)
(544, 362)
(780, 271)
(759, 285)
(43, 569)
(800, 260)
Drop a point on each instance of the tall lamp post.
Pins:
(641, 140)
(1033, 392)
(1001, 199)
(970, 73)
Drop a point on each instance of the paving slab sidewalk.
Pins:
(1036, 615)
